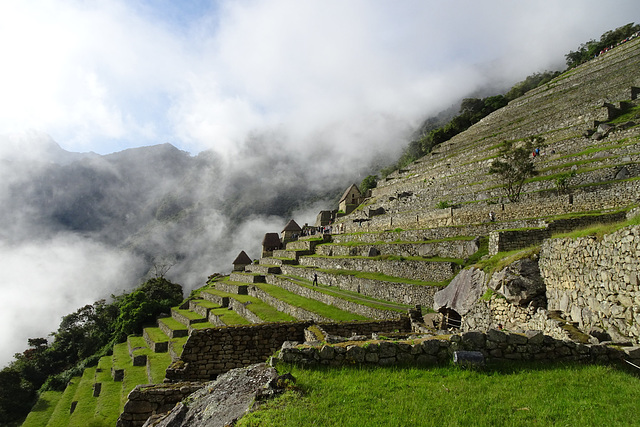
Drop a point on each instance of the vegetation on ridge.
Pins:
(81, 339)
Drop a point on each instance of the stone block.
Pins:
(517, 339)
(469, 359)
(534, 337)
(473, 340)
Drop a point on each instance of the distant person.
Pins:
(315, 279)
(492, 216)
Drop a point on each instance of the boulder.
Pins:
(463, 291)
(223, 401)
(519, 282)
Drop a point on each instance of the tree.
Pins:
(368, 183)
(142, 306)
(515, 165)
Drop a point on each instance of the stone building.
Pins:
(241, 261)
(325, 218)
(290, 232)
(271, 242)
(350, 200)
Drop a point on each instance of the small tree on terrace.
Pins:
(515, 165)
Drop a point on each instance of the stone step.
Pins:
(172, 328)
(186, 317)
(156, 340)
(202, 307)
(211, 295)
(135, 345)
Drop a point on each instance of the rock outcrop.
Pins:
(519, 282)
(463, 291)
(223, 401)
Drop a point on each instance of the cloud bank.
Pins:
(108, 75)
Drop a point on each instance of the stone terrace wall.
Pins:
(487, 315)
(429, 271)
(495, 345)
(403, 293)
(446, 249)
(146, 400)
(507, 240)
(352, 307)
(503, 241)
(596, 283)
(210, 352)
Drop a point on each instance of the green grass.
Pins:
(599, 230)
(314, 306)
(43, 409)
(393, 258)
(187, 313)
(509, 395)
(377, 276)
(230, 317)
(108, 405)
(156, 334)
(261, 309)
(178, 344)
(86, 402)
(172, 323)
(348, 295)
(60, 415)
(159, 362)
(502, 259)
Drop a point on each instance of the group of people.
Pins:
(607, 49)
(312, 231)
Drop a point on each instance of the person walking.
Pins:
(315, 279)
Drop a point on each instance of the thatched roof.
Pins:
(346, 193)
(271, 240)
(242, 258)
(292, 226)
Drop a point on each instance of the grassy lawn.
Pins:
(314, 306)
(60, 415)
(510, 395)
(156, 335)
(261, 309)
(43, 409)
(86, 407)
(348, 295)
(377, 276)
(108, 403)
(172, 323)
(187, 313)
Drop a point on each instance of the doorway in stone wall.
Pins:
(450, 318)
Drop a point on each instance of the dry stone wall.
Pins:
(210, 352)
(428, 271)
(343, 304)
(596, 283)
(497, 312)
(446, 249)
(495, 346)
(146, 400)
(403, 293)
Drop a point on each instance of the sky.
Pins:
(330, 83)
(107, 75)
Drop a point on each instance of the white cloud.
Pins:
(45, 280)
